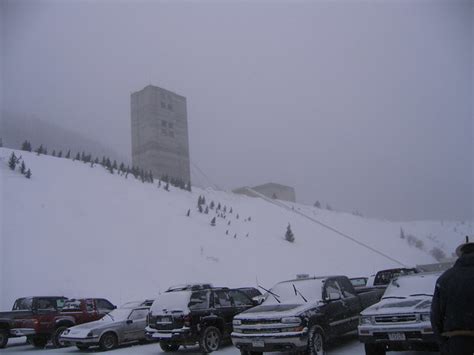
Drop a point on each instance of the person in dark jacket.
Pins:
(452, 310)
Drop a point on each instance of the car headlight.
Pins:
(425, 317)
(291, 320)
(365, 320)
(236, 322)
(66, 332)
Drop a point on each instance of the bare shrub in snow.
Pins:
(289, 236)
(438, 254)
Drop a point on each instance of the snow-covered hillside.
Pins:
(74, 230)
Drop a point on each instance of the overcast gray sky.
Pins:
(364, 104)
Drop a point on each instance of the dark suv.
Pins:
(192, 317)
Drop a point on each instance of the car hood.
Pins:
(83, 329)
(274, 311)
(417, 304)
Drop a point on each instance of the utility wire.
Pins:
(206, 177)
(342, 234)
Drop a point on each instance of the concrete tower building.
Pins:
(160, 133)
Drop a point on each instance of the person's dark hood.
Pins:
(465, 261)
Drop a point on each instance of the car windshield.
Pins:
(406, 286)
(291, 292)
(23, 304)
(172, 301)
(116, 315)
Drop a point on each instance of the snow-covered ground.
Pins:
(346, 346)
(77, 231)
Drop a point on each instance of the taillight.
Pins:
(187, 320)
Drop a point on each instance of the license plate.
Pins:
(165, 320)
(396, 336)
(258, 343)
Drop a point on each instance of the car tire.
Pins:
(168, 347)
(108, 341)
(210, 340)
(39, 341)
(374, 349)
(82, 347)
(55, 339)
(316, 342)
(3, 338)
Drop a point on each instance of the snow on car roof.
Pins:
(291, 292)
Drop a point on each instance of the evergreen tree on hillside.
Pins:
(96, 161)
(289, 236)
(206, 211)
(402, 233)
(213, 221)
(45, 151)
(28, 174)
(317, 204)
(40, 150)
(200, 208)
(26, 146)
(68, 154)
(188, 186)
(218, 206)
(211, 205)
(54, 153)
(12, 161)
(167, 186)
(230, 210)
(189, 213)
(22, 168)
(114, 165)
(60, 154)
(78, 156)
(328, 207)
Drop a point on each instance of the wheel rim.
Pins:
(212, 340)
(318, 344)
(59, 342)
(109, 341)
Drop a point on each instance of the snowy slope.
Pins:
(74, 230)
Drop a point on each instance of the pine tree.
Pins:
(114, 165)
(40, 150)
(60, 154)
(188, 186)
(328, 207)
(200, 208)
(317, 204)
(228, 223)
(206, 211)
(54, 153)
(402, 233)
(26, 146)
(189, 213)
(22, 168)
(96, 161)
(230, 210)
(68, 155)
(289, 236)
(151, 177)
(12, 161)
(211, 205)
(235, 236)
(219, 206)
(237, 216)
(225, 209)
(227, 232)
(78, 156)
(213, 221)
(28, 174)
(167, 186)
(92, 163)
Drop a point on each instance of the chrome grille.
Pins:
(399, 318)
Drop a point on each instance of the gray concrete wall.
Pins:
(160, 133)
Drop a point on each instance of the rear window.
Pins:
(384, 277)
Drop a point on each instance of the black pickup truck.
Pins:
(26, 308)
(301, 315)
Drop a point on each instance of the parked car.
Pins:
(383, 277)
(26, 308)
(134, 304)
(189, 287)
(201, 317)
(301, 315)
(43, 326)
(122, 325)
(401, 320)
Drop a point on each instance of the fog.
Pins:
(365, 105)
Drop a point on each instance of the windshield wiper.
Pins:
(271, 293)
(398, 297)
(297, 292)
(110, 316)
(421, 294)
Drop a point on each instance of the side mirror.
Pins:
(115, 307)
(333, 296)
(129, 321)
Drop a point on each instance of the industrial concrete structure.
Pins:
(160, 141)
(270, 190)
